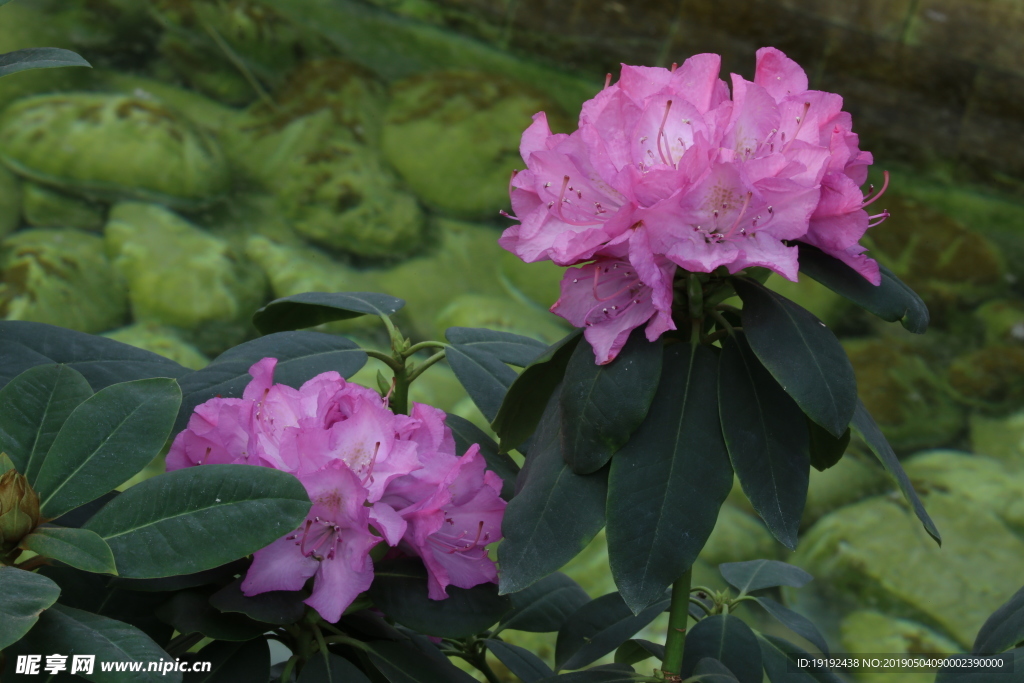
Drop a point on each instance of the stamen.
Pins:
(879, 218)
(885, 185)
(661, 133)
(799, 124)
(607, 80)
(561, 199)
(743, 210)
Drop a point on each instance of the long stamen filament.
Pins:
(661, 134)
(743, 210)
(561, 199)
(869, 199)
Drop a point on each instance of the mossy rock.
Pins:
(870, 632)
(1002, 320)
(60, 277)
(500, 313)
(991, 378)
(738, 537)
(1001, 438)
(850, 480)
(113, 146)
(44, 207)
(160, 340)
(10, 201)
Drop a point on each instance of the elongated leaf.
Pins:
(400, 591)
(599, 627)
(607, 673)
(314, 308)
(466, 434)
(667, 484)
(710, 670)
(524, 403)
(300, 357)
(1012, 663)
(23, 597)
(727, 639)
(544, 606)
(79, 548)
(602, 405)
(554, 515)
(801, 353)
(198, 518)
(520, 661)
(1004, 629)
(795, 622)
(779, 657)
(892, 300)
(107, 439)
(38, 58)
(189, 611)
(485, 378)
(334, 669)
(36, 403)
(637, 650)
(767, 439)
(274, 607)
(102, 361)
(179, 582)
(755, 575)
(403, 662)
(514, 349)
(825, 449)
(235, 663)
(864, 425)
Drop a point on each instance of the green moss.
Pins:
(869, 632)
(10, 201)
(47, 208)
(162, 340)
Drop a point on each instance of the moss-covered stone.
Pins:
(183, 277)
(60, 277)
(850, 480)
(162, 340)
(999, 437)
(991, 378)
(44, 207)
(500, 313)
(870, 632)
(1002, 320)
(738, 537)
(10, 201)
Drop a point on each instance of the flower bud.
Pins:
(19, 510)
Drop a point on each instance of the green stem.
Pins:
(399, 401)
(424, 345)
(384, 358)
(679, 612)
(346, 640)
(480, 662)
(426, 364)
(720, 319)
(286, 673)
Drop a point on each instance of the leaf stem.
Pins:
(418, 370)
(385, 358)
(424, 345)
(679, 612)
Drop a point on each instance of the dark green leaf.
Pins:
(205, 577)
(730, 641)
(76, 519)
(102, 361)
(106, 440)
(314, 308)
(466, 434)
(340, 670)
(544, 606)
(765, 433)
(709, 670)
(198, 518)
(36, 403)
(1004, 629)
(400, 591)
(403, 662)
(801, 353)
(513, 349)
(520, 661)
(300, 357)
(6, 464)
(554, 515)
(637, 650)
(667, 484)
(602, 405)
(1006, 673)
(234, 662)
(826, 450)
(607, 673)
(795, 622)
(38, 58)
(485, 378)
(755, 575)
(599, 627)
(864, 425)
(779, 659)
(79, 548)
(524, 403)
(892, 300)
(274, 607)
(23, 597)
(189, 611)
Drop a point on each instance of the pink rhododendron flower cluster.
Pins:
(372, 476)
(667, 170)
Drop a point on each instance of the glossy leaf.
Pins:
(727, 639)
(755, 575)
(334, 669)
(864, 425)
(23, 597)
(273, 607)
(520, 661)
(484, 377)
(599, 627)
(234, 662)
(38, 58)
(79, 548)
(892, 300)
(667, 484)
(709, 670)
(779, 657)
(768, 443)
(607, 673)
(36, 403)
(403, 662)
(1010, 671)
(198, 518)
(795, 622)
(106, 440)
(801, 353)
(825, 449)
(544, 606)
(315, 308)
(1004, 629)
(602, 405)
(101, 361)
(400, 591)
(189, 611)
(637, 650)
(466, 434)
(554, 515)
(524, 403)
(300, 357)
(514, 349)
(224, 572)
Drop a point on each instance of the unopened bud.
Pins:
(19, 510)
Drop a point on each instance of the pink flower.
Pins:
(666, 170)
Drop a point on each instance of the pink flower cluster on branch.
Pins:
(667, 170)
(372, 476)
